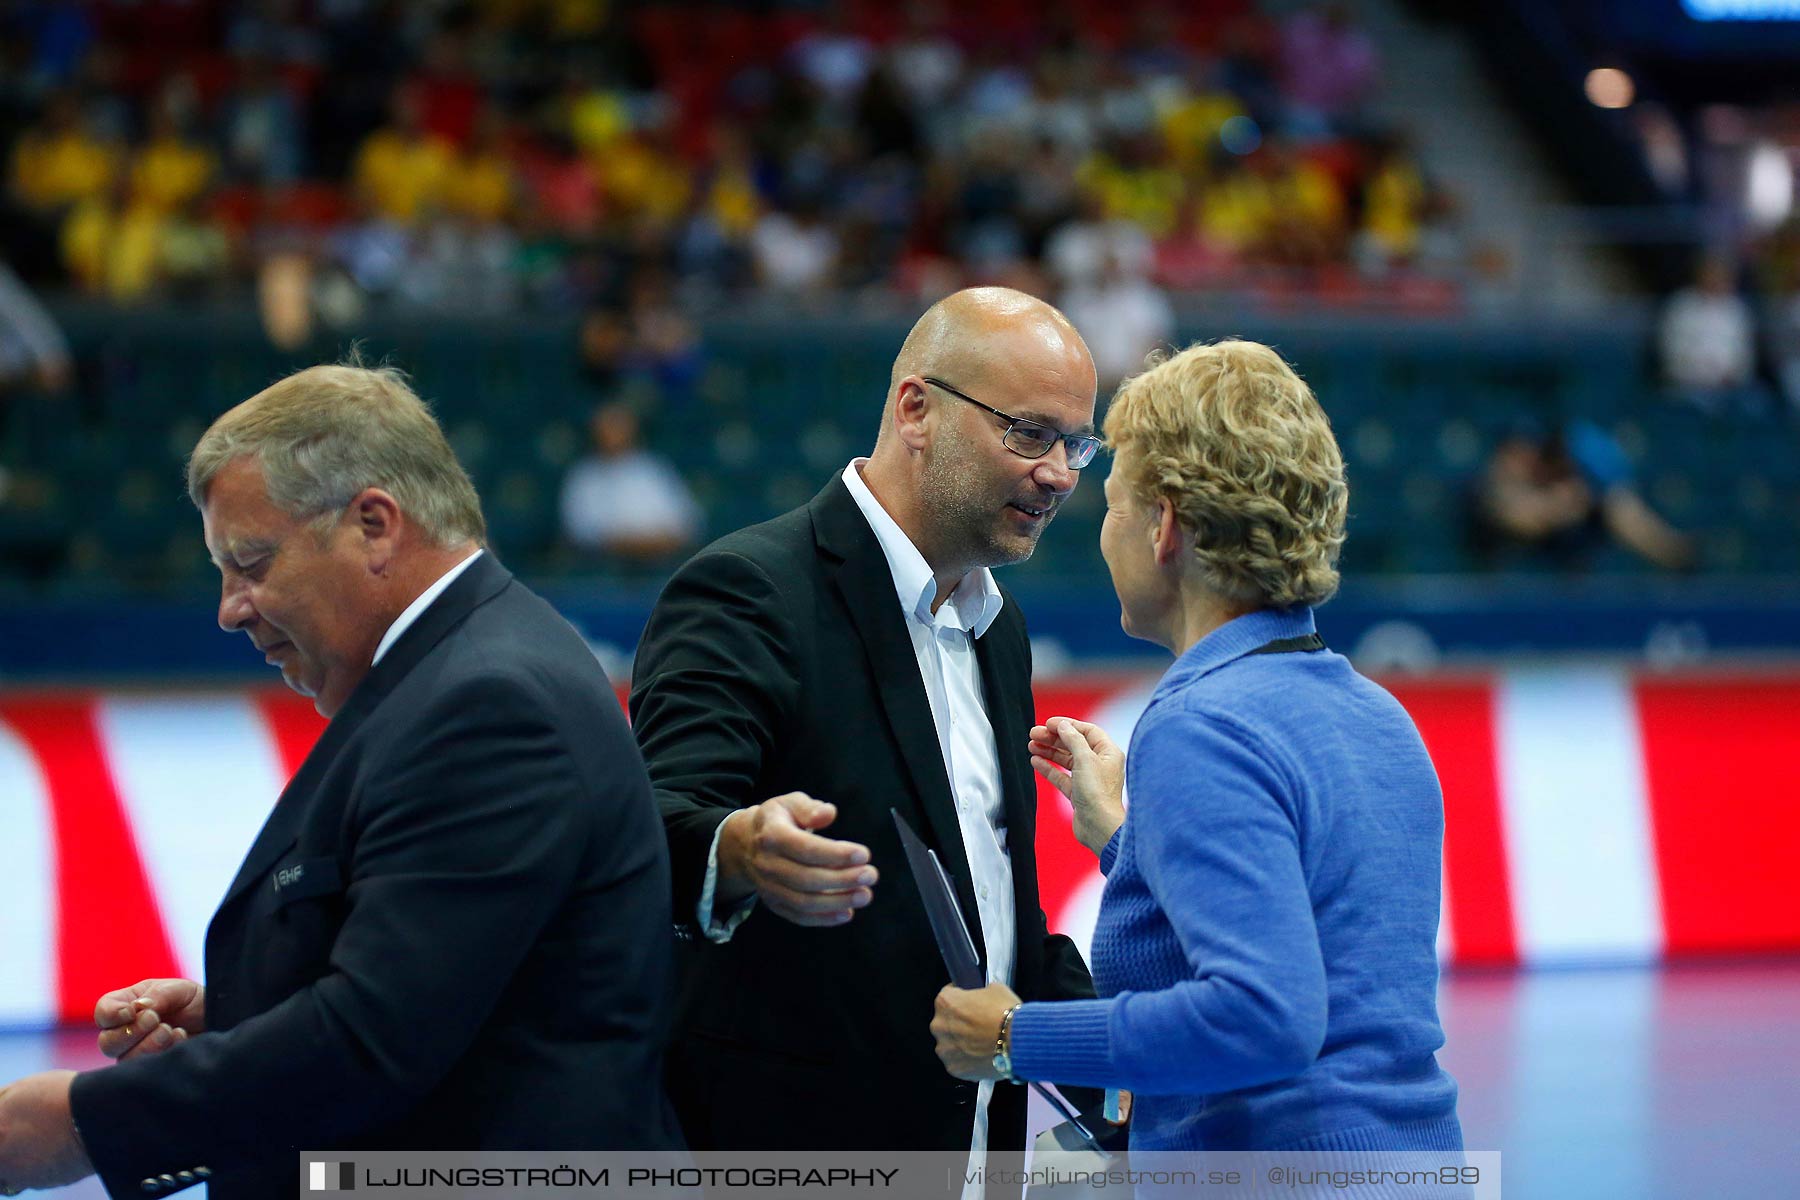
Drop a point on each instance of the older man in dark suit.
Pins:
(812, 673)
(452, 933)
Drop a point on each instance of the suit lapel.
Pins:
(1003, 666)
(862, 575)
(283, 825)
(475, 586)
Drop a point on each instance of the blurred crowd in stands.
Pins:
(488, 155)
(636, 170)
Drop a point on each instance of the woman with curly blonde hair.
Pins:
(1265, 951)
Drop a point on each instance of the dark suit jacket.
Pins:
(452, 933)
(777, 660)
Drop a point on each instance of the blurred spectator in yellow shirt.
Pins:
(1137, 183)
(58, 162)
(641, 174)
(401, 170)
(1394, 202)
(113, 247)
(171, 168)
(480, 183)
(1306, 208)
(1276, 207)
(1190, 127)
(1234, 211)
(732, 199)
(712, 247)
(597, 118)
(122, 241)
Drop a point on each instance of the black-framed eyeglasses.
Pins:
(1032, 439)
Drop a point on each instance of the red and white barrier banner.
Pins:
(1590, 815)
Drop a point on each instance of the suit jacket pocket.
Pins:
(289, 937)
(305, 879)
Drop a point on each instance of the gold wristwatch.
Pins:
(1003, 1044)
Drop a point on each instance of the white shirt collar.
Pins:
(411, 613)
(972, 606)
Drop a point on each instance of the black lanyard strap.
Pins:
(1292, 645)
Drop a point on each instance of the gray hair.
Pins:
(324, 434)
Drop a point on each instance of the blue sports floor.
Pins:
(1605, 1084)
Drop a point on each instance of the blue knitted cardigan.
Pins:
(1265, 951)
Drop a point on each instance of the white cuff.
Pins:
(715, 930)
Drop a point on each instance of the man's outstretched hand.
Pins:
(772, 850)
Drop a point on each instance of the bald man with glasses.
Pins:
(800, 678)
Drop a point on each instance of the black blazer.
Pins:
(776, 660)
(452, 933)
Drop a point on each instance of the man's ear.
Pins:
(379, 521)
(914, 407)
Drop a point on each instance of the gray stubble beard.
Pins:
(949, 507)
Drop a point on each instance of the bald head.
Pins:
(947, 466)
(975, 334)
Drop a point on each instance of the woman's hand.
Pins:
(967, 1027)
(1089, 768)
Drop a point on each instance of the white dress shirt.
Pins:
(411, 612)
(944, 646)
